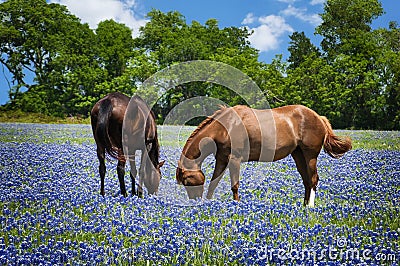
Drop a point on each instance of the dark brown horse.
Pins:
(107, 118)
(239, 134)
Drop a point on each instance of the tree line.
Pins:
(352, 77)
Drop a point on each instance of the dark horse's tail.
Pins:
(334, 145)
(102, 134)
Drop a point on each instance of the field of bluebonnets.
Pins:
(51, 212)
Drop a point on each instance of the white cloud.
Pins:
(95, 11)
(301, 13)
(249, 19)
(317, 2)
(287, 1)
(266, 37)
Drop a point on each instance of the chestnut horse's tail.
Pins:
(334, 145)
(102, 133)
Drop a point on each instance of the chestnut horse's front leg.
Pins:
(234, 172)
(220, 167)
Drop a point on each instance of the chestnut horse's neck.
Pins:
(200, 144)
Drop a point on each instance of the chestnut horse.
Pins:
(107, 118)
(240, 134)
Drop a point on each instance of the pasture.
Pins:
(51, 211)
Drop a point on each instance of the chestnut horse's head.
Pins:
(193, 180)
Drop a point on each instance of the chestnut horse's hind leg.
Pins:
(102, 168)
(311, 160)
(121, 176)
(307, 166)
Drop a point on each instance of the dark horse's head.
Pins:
(152, 177)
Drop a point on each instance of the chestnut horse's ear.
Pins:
(160, 164)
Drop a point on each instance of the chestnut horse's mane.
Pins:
(206, 121)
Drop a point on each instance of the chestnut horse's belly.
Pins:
(286, 138)
(273, 142)
(266, 154)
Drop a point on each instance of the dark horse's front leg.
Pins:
(133, 174)
(141, 173)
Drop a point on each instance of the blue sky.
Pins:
(271, 20)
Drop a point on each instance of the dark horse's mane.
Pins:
(154, 152)
(206, 122)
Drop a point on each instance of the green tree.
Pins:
(115, 44)
(51, 44)
(169, 39)
(388, 67)
(351, 49)
(300, 47)
(345, 20)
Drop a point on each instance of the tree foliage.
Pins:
(349, 80)
(59, 66)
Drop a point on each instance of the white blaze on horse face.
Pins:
(312, 198)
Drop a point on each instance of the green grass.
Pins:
(169, 136)
(372, 140)
(18, 116)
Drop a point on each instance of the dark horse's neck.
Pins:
(154, 152)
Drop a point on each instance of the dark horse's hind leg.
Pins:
(307, 166)
(102, 168)
(121, 176)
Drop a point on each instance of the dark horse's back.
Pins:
(107, 117)
(114, 115)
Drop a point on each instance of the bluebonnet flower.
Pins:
(52, 213)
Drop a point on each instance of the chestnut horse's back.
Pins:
(310, 129)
